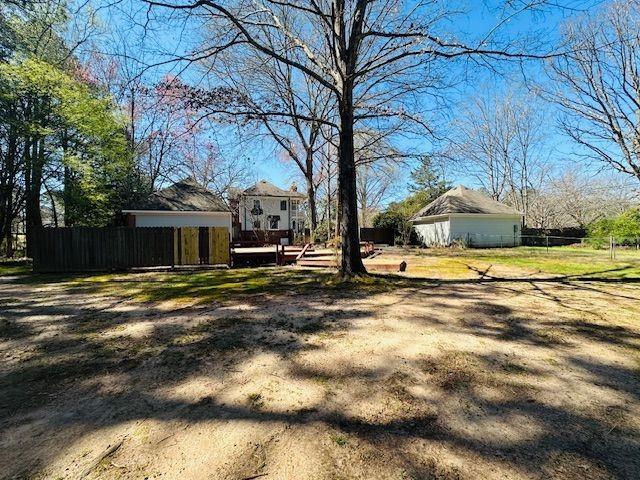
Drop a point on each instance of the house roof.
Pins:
(266, 189)
(184, 196)
(465, 200)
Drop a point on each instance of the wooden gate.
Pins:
(219, 246)
(201, 245)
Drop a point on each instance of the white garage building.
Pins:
(468, 217)
(183, 204)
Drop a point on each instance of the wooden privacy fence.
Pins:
(78, 249)
(377, 235)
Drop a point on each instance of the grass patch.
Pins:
(453, 370)
(514, 368)
(7, 270)
(570, 261)
(255, 400)
(339, 440)
(203, 287)
(221, 286)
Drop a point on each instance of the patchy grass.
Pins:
(567, 261)
(11, 269)
(339, 440)
(255, 400)
(202, 287)
(453, 370)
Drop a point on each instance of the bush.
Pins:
(401, 225)
(389, 219)
(625, 228)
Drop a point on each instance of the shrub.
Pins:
(625, 228)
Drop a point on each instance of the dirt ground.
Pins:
(428, 380)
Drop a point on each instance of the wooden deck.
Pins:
(312, 256)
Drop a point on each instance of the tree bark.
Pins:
(8, 186)
(313, 208)
(33, 186)
(347, 193)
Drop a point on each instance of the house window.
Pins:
(256, 224)
(294, 205)
(256, 211)
(283, 205)
(274, 222)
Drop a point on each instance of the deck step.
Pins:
(373, 266)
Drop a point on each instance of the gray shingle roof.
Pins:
(184, 196)
(464, 200)
(266, 189)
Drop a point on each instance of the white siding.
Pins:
(486, 231)
(434, 233)
(185, 219)
(270, 206)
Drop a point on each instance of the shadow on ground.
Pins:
(502, 399)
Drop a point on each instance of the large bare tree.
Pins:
(262, 83)
(500, 141)
(372, 55)
(597, 85)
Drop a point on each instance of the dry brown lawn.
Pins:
(281, 375)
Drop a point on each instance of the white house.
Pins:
(183, 204)
(265, 207)
(469, 217)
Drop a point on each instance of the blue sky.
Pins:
(170, 37)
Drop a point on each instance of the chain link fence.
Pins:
(612, 244)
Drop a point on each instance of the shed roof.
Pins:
(266, 189)
(184, 196)
(465, 200)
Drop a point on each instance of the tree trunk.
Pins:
(68, 209)
(351, 260)
(311, 192)
(313, 208)
(67, 187)
(33, 186)
(8, 186)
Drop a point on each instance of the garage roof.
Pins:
(184, 196)
(465, 200)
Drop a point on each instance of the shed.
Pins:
(469, 217)
(184, 204)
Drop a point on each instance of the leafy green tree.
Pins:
(59, 138)
(625, 228)
(65, 129)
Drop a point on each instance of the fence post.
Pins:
(610, 247)
(613, 247)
